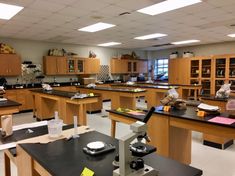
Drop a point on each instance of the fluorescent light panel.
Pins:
(7, 11)
(185, 42)
(109, 44)
(231, 35)
(167, 6)
(150, 36)
(96, 27)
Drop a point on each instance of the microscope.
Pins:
(130, 154)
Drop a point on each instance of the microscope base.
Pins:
(146, 171)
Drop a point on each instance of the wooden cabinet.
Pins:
(142, 66)
(179, 71)
(209, 71)
(92, 65)
(54, 65)
(131, 66)
(22, 96)
(75, 65)
(118, 66)
(10, 65)
(201, 72)
(124, 66)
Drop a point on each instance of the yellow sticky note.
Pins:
(92, 94)
(87, 172)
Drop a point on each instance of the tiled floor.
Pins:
(212, 161)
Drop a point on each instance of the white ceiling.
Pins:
(58, 21)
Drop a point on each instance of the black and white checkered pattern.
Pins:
(104, 73)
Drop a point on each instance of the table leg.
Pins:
(82, 114)
(195, 94)
(7, 165)
(34, 106)
(113, 128)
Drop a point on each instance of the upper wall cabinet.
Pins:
(75, 65)
(125, 66)
(118, 66)
(10, 65)
(92, 65)
(54, 65)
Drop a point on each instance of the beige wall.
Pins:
(200, 50)
(35, 50)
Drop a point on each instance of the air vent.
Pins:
(160, 45)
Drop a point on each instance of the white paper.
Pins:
(208, 107)
(3, 99)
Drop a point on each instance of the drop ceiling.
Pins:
(58, 21)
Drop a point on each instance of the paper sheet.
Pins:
(222, 120)
(136, 113)
(208, 107)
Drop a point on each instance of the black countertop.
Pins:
(146, 86)
(67, 158)
(213, 98)
(111, 89)
(24, 134)
(126, 114)
(188, 114)
(8, 103)
(39, 85)
(191, 114)
(59, 93)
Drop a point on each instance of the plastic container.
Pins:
(55, 128)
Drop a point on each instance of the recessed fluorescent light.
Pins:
(150, 36)
(167, 6)
(109, 44)
(96, 27)
(185, 42)
(231, 35)
(7, 11)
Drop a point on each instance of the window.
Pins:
(161, 69)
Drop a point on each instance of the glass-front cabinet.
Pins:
(220, 67)
(131, 66)
(71, 66)
(195, 68)
(75, 65)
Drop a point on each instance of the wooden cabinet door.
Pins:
(61, 65)
(92, 66)
(183, 66)
(50, 66)
(129, 66)
(134, 67)
(11, 95)
(80, 66)
(14, 65)
(71, 66)
(142, 66)
(10, 65)
(118, 66)
(173, 71)
(4, 66)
